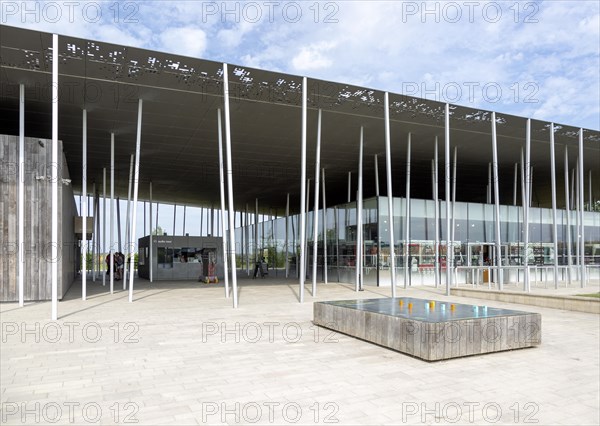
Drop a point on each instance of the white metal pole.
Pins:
(359, 216)
(84, 208)
(407, 214)
(499, 276)
(324, 231)
(222, 191)
(94, 231)
(112, 212)
(256, 245)
(515, 185)
(128, 223)
(349, 186)
(573, 181)
(530, 186)
(54, 181)
(436, 263)
(184, 212)
(175, 216)
(230, 184)
(581, 212)
(376, 175)
(316, 209)
(247, 241)
(151, 256)
(390, 194)
(303, 188)
(136, 180)
(287, 217)
(449, 248)
(307, 230)
(527, 199)
(568, 214)
(21, 208)
(590, 207)
(451, 254)
(489, 186)
(104, 222)
(553, 184)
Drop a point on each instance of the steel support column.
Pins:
(324, 231)
(581, 213)
(222, 192)
(287, 218)
(104, 222)
(230, 183)
(499, 276)
(527, 202)
(449, 248)
(436, 262)
(553, 184)
(303, 189)
(84, 207)
(151, 235)
(128, 224)
(136, 179)
(359, 223)
(316, 209)
(390, 193)
(112, 213)
(407, 215)
(54, 181)
(21, 197)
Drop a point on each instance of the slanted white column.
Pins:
(230, 184)
(54, 181)
(21, 196)
(359, 217)
(287, 218)
(104, 222)
(553, 183)
(581, 212)
(94, 231)
(499, 276)
(324, 231)
(451, 254)
(316, 209)
(407, 217)
(128, 221)
(436, 262)
(84, 208)
(112, 212)
(151, 256)
(390, 193)
(303, 190)
(136, 180)
(449, 248)
(349, 186)
(527, 202)
(376, 175)
(184, 212)
(222, 192)
(515, 185)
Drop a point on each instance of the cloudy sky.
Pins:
(537, 59)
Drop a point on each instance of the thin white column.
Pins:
(577, 221)
(449, 248)
(451, 254)
(136, 180)
(553, 183)
(21, 208)
(407, 214)
(222, 192)
(84, 208)
(316, 209)
(128, 224)
(184, 212)
(573, 188)
(489, 186)
(530, 186)
(54, 216)
(150, 244)
(94, 231)
(287, 217)
(515, 184)
(390, 194)
(349, 186)
(104, 222)
(568, 214)
(527, 202)
(112, 212)
(590, 207)
(436, 263)
(119, 246)
(581, 211)
(303, 189)
(230, 184)
(497, 203)
(175, 220)
(247, 242)
(376, 175)
(257, 257)
(307, 231)
(145, 217)
(359, 223)
(324, 231)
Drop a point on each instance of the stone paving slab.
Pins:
(181, 355)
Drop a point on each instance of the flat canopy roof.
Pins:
(179, 151)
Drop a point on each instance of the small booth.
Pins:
(181, 258)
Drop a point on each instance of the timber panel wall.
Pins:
(37, 230)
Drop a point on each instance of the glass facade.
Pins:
(474, 239)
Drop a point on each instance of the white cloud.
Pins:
(314, 57)
(188, 41)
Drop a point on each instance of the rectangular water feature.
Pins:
(431, 329)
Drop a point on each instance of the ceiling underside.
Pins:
(179, 138)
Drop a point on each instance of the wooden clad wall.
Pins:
(37, 232)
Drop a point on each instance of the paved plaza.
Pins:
(182, 355)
